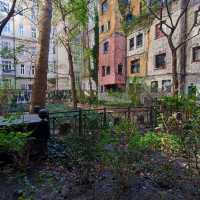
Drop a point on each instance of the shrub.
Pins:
(167, 143)
(13, 141)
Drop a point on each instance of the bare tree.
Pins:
(9, 15)
(40, 82)
(171, 24)
(14, 10)
(72, 16)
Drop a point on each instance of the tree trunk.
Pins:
(183, 50)
(174, 73)
(88, 61)
(10, 14)
(72, 77)
(40, 82)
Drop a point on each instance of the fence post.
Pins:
(129, 112)
(104, 116)
(80, 121)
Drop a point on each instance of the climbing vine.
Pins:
(95, 50)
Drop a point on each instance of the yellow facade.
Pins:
(138, 53)
(112, 16)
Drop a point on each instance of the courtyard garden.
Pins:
(110, 153)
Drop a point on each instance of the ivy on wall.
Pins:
(95, 50)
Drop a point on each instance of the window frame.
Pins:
(120, 69)
(108, 70)
(141, 41)
(154, 89)
(160, 66)
(168, 90)
(105, 44)
(132, 66)
(197, 48)
(104, 7)
(131, 43)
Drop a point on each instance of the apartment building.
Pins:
(193, 49)
(148, 54)
(112, 48)
(18, 44)
(159, 67)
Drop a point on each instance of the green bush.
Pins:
(167, 143)
(13, 141)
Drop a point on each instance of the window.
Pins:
(23, 86)
(22, 69)
(4, 7)
(160, 61)
(196, 54)
(158, 32)
(6, 28)
(7, 66)
(154, 86)
(29, 86)
(108, 70)
(129, 17)
(103, 71)
(139, 40)
(33, 32)
(104, 7)
(102, 88)
(33, 70)
(131, 44)
(5, 45)
(108, 24)
(102, 28)
(120, 69)
(21, 30)
(166, 86)
(192, 90)
(33, 51)
(105, 47)
(135, 66)
(54, 49)
(197, 17)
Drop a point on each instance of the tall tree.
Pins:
(72, 15)
(162, 11)
(40, 82)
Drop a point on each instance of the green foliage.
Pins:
(12, 53)
(136, 89)
(13, 141)
(167, 143)
(191, 139)
(138, 21)
(6, 99)
(95, 50)
(176, 103)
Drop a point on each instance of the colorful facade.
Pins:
(112, 47)
(144, 51)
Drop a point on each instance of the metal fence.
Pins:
(86, 120)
